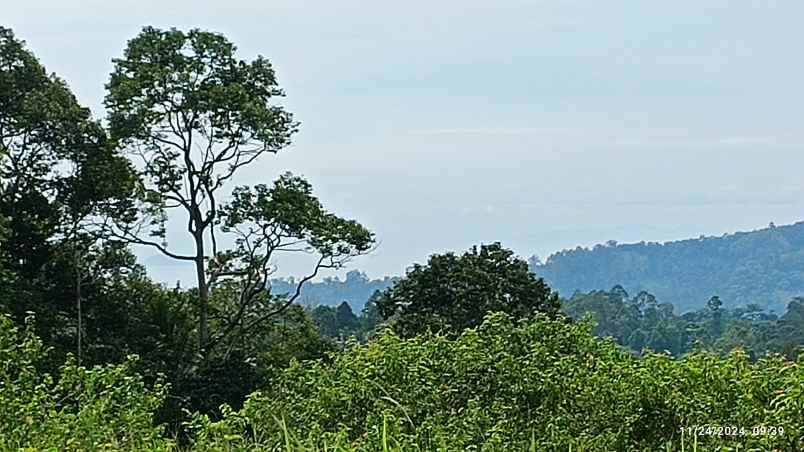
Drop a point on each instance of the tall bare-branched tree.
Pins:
(193, 115)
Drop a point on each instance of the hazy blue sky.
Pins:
(541, 124)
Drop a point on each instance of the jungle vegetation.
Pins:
(469, 351)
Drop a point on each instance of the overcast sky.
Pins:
(541, 124)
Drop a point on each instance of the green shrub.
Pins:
(506, 385)
(103, 408)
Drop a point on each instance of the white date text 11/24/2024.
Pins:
(731, 430)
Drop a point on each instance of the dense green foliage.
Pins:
(71, 205)
(103, 408)
(762, 267)
(639, 322)
(511, 386)
(341, 322)
(57, 169)
(452, 292)
(536, 384)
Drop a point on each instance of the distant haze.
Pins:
(540, 124)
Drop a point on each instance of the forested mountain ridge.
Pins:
(763, 267)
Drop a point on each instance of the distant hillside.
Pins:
(356, 289)
(763, 267)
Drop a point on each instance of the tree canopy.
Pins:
(194, 115)
(58, 170)
(454, 292)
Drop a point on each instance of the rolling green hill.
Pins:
(763, 267)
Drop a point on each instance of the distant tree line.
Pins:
(356, 288)
(638, 322)
(643, 322)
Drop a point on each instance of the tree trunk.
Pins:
(203, 294)
(77, 265)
